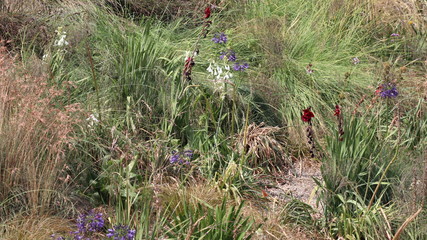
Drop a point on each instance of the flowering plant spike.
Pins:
(337, 113)
(306, 117)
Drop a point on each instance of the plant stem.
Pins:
(94, 79)
(381, 179)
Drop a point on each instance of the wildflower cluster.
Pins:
(92, 225)
(218, 72)
(121, 232)
(181, 157)
(229, 54)
(388, 90)
(90, 222)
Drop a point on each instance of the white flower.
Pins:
(92, 120)
(209, 69)
(355, 60)
(219, 69)
(187, 55)
(61, 42)
(45, 56)
(61, 35)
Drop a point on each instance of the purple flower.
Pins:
(176, 157)
(219, 38)
(230, 54)
(232, 57)
(78, 237)
(240, 67)
(121, 232)
(389, 90)
(90, 222)
(57, 238)
(181, 157)
(355, 60)
(188, 153)
(395, 35)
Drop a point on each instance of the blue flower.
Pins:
(53, 236)
(230, 54)
(355, 60)
(219, 38)
(121, 232)
(176, 157)
(240, 67)
(188, 153)
(181, 157)
(389, 90)
(91, 222)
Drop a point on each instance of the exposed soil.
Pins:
(298, 183)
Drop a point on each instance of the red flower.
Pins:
(379, 90)
(189, 63)
(337, 110)
(308, 114)
(207, 12)
(264, 193)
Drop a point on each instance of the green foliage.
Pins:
(298, 212)
(356, 165)
(357, 174)
(207, 222)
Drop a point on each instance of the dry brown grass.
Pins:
(29, 6)
(24, 29)
(173, 195)
(400, 12)
(272, 227)
(35, 130)
(33, 227)
(265, 144)
(163, 9)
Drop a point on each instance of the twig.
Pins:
(408, 220)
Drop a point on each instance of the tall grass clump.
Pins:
(36, 131)
(358, 175)
(207, 222)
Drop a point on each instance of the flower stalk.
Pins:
(306, 117)
(340, 122)
(189, 61)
